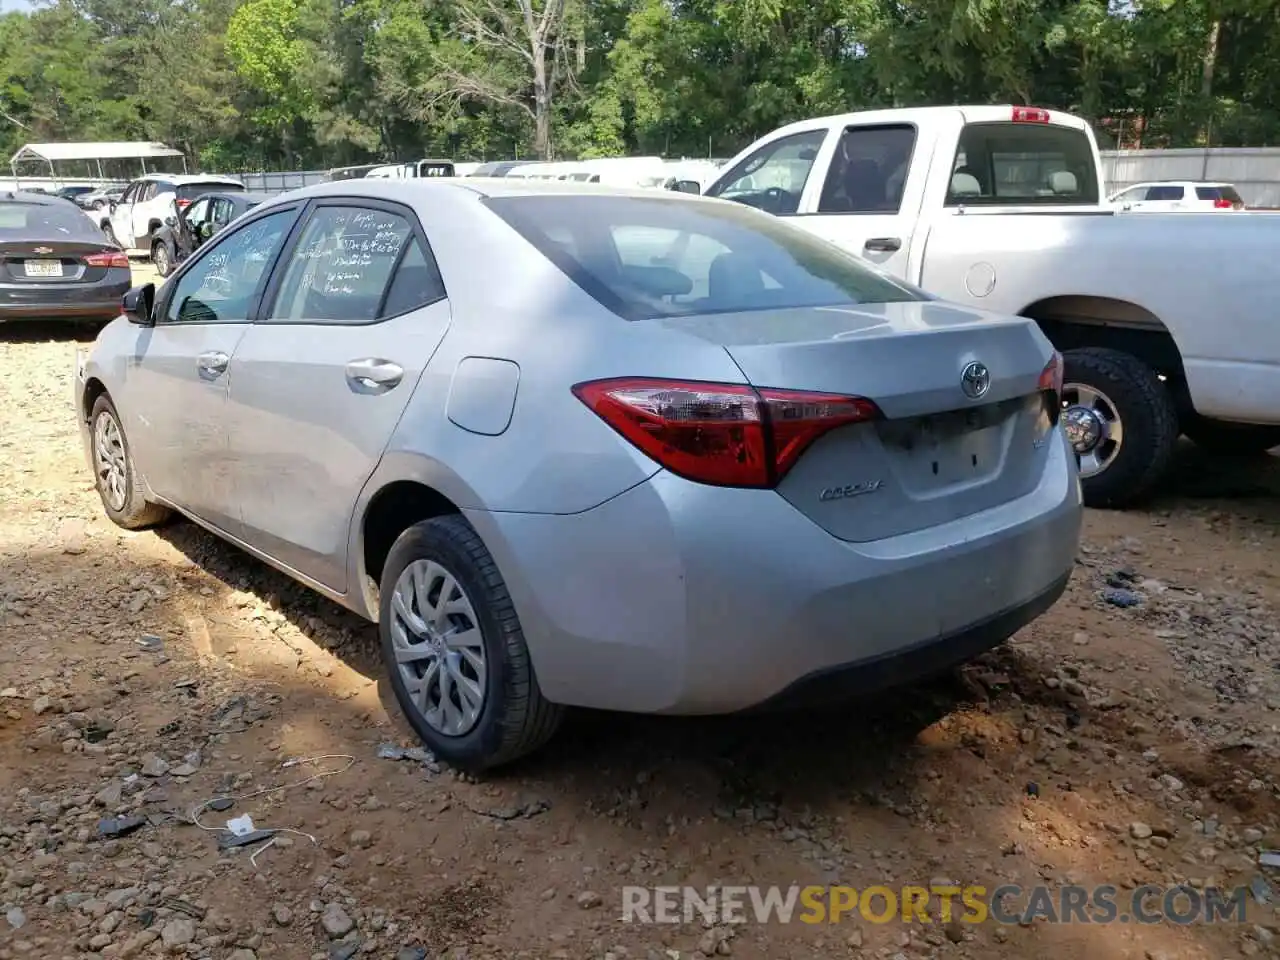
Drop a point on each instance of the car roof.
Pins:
(182, 179)
(415, 188)
(27, 196)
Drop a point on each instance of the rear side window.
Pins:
(1225, 192)
(1164, 193)
(45, 221)
(1022, 164)
(355, 265)
(869, 170)
(189, 191)
(645, 258)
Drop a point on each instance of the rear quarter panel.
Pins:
(1210, 280)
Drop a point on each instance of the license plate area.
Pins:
(949, 448)
(42, 269)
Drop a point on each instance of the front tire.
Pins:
(1230, 439)
(1122, 422)
(114, 473)
(161, 259)
(455, 651)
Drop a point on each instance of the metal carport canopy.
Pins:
(105, 150)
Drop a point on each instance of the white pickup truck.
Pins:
(1168, 323)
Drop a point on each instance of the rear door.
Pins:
(352, 316)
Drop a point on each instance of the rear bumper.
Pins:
(89, 300)
(680, 598)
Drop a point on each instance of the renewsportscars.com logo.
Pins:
(1007, 904)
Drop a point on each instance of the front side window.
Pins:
(222, 285)
(773, 178)
(342, 268)
(868, 173)
(198, 212)
(1023, 164)
(668, 257)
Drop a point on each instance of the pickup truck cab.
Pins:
(1166, 321)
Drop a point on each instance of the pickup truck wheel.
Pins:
(455, 651)
(1121, 420)
(1230, 439)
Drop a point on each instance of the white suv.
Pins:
(132, 220)
(1190, 196)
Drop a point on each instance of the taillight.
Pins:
(1050, 387)
(112, 259)
(182, 204)
(1223, 204)
(723, 434)
(1030, 115)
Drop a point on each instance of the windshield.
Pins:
(1020, 164)
(667, 257)
(45, 221)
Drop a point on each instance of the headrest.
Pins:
(1063, 181)
(965, 185)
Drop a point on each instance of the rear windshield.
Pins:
(46, 221)
(189, 191)
(668, 257)
(435, 169)
(1224, 192)
(1019, 164)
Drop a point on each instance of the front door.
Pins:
(122, 216)
(872, 194)
(181, 370)
(319, 382)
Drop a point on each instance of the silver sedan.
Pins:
(575, 446)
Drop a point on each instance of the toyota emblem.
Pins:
(975, 381)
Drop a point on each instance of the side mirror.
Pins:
(687, 186)
(113, 206)
(138, 304)
(170, 221)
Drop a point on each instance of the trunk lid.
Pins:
(50, 261)
(938, 454)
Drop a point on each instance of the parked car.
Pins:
(101, 198)
(73, 193)
(54, 262)
(413, 170)
(1166, 324)
(183, 233)
(1181, 196)
(498, 168)
(330, 381)
(132, 221)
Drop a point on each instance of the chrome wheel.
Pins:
(161, 259)
(1092, 424)
(438, 647)
(109, 461)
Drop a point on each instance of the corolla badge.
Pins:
(852, 490)
(975, 380)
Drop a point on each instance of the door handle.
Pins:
(212, 364)
(883, 245)
(372, 375)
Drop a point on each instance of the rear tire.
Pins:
(1147, 415)
(115, 476)
(1230, 439)
(514, 718)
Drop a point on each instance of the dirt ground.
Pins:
(144, 674)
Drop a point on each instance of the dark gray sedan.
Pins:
(182, 234)
(54, 262)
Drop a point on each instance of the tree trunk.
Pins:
(541, 105)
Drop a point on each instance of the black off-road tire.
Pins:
(1146, 410)
(516, 719)
(1230, 439)
(137, 513)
